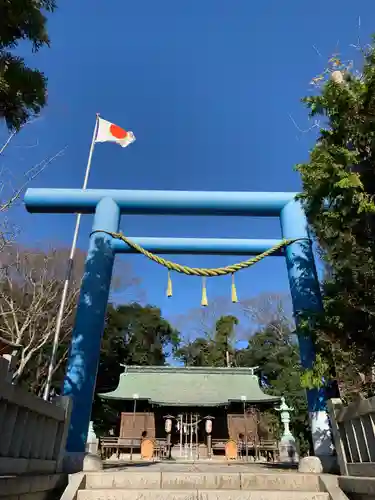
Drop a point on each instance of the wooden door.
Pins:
(236, 426)
(132, 425)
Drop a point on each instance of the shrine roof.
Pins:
(189, 386)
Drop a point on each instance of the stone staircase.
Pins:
(143, 484)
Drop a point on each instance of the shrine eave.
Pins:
(190, 386)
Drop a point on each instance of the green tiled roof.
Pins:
(167, 386)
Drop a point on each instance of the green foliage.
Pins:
(276, 353)
(211, 352)
(196, 353)
(338, 194)
(23, 90)
(148, 338)
(314, 378)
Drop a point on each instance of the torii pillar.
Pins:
(107, 205)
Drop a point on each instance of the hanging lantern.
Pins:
(168, 425)
(208, 426)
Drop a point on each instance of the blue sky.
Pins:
(207, 87)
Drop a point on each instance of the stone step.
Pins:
(122, 494)
(142, 480)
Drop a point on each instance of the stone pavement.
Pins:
(208, 466)
(200, 481)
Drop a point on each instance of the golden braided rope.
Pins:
(199, 271)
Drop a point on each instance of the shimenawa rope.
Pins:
(200, 271)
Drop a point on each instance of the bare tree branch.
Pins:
(29, 301)
(31, 284)
(14, 133)
(302, 131)
(30, 176)
(10, 193)
(268, 310)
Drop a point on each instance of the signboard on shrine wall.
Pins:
(132, 425)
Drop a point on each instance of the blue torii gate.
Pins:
(108, 205)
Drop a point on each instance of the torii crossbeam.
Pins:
(108, 206)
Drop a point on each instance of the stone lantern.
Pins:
(287, 445)
(92, 443)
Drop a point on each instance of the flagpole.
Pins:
(68, 273)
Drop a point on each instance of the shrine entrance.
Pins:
(185, 424)
(105, 242)
(188, 436)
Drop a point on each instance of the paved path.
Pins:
(200, 467)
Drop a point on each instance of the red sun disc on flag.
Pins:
(117, 132)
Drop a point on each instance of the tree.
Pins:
(273, 348)
(31, 283)
(223, 340)
(211, 329)
(217, 350)
(148, 338)
(195, 353)
(134, 335)
(201, 321)
(23, 90)
(338, 195)
(275, 351)
(268, 310)
(30, 291)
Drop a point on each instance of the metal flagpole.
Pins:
(68, 273)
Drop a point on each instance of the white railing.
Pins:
(353, 429)
(32, 431)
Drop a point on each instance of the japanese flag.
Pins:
(109, 132)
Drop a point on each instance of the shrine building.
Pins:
(194, 410)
